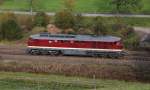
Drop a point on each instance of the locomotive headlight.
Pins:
(56, 41)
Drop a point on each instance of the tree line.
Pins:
(10, 29)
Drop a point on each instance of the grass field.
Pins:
(80, 5)
(141, 22)
(28, 81)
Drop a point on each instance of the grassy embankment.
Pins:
(28, 81)
(80, 5)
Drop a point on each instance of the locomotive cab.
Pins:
(119, 45)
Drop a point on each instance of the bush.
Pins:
(130, 38)
(26, 22)
(99, 26)
(9, 28)
(64, 19)
(41, 19)
(79, 22)
(132, 42)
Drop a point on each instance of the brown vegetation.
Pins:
(13, 58)
(100, 71)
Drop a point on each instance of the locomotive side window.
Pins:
(62, 36)
(43, 35)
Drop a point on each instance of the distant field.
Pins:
(55, 5)
(26, 81)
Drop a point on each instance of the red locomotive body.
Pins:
(75, 45)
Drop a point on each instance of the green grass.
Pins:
(132, 21)
(56, 5)
(28, 81)
(142, 22)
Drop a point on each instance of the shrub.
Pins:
(126, 32)
(26, 22)
(64, 19)
(79, 22)
(132, 41)
(9, 28)
(41, 19)
(99, 26)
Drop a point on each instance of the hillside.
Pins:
(90, 6)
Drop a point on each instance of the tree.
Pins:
(79, 22)
(41, 19)
(99, 26)
(9, 28)
(64, 19)
(126, 6)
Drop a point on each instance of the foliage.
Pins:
(9, 28)
(132, 42)
(126, 32)
(64, 19)
(41, 19)
(1, 1)
(79, 22)
(99, 26)
(126, 6)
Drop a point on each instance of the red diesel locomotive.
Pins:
(64, 44)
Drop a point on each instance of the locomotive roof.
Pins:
(75, 37)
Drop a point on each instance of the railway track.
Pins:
(129, 57)
(20, 51)
(136, 63)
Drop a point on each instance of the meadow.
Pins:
(90, 6)
(29, 81)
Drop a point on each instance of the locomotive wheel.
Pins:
(44, 52)
(55, 53)
(112, 55)
(35, 52)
